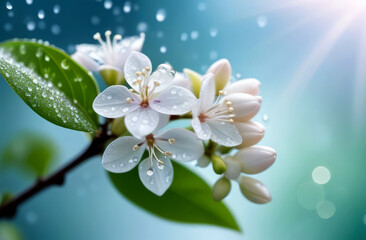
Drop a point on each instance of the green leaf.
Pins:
(31, 153)
(9, 231)
(51, 83)
(189, 198)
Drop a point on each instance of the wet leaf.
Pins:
(50, 83)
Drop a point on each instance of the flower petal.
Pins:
(182, 80)
(254, 190)
(160, 180)
(163, 75)
(201, 129)
(251, 132)
(233, 167)
(249, 85)
(163, 121)
(245, 106)
(222, 71)
(142, 121)
(85, 61)
(120, 157)
(224, 133)
(111, 103)
(187, 147)
(135, 62)
(174, 101)
(208, 91)
(134, 43)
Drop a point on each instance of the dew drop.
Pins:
(56, 9)
(184, 37)
(194, 35)
(55, 29)
(46, 58)
(175, 107)
(135, 159)
(163, 49)
(109, 97)
(41, 14)
(160, 166)
(29, 2)
(265, 117)
(108, 4)
(59, 85)
(30, 89)
(173, 91)
(65, 64)
(125, 109)
(113, 165)
(160, 15)
(44, 94)
(39, 53)
(9, 6)
(22, 49)
(130, 161)
(127, 7)
(31, 26)
(167, 179)
(135, 118)
(121, 165)
(150, 172)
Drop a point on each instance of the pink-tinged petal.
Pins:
(201, 129)
(142, 121)
(173, 101)
(222, 71)
(113, 103)
(120, 157)
(85, 61)
(254, 190)
(224, 133)
(208, 91)
(256, 159)
(251, 132)
(245, 106)
(186, 146)
(155, 179)
(162, 77)
(136, 62)
(250, 86)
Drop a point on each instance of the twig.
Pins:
(9, 208)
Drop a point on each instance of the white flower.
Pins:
(214, 119)
(249, 85)
(150, 99)
(156, 171)
(109, 54)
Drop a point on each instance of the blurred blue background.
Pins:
(311, 59)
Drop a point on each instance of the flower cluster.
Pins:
(146, 101)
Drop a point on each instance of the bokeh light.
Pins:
(321, 175)
(326, 209)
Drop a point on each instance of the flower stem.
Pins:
(8, 209)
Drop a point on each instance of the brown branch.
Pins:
(9, 208)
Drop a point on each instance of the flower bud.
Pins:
(245, 106)
(203, 162)
(111, 76)
(233, 168)
(256, 159)
(249, 85)
(221, 189)
(254, 190)
(118, 126)
(195, 80)
(251, 133)
(222, 71)
(182, 80)
(218, 164)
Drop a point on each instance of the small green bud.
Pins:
(195, 79)
(221, 189)
(118, 126)
(218, 164)
(112, 76)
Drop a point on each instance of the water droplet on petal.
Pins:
(173, 91)
(160, 166)
(150, 172)
(125, 109)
